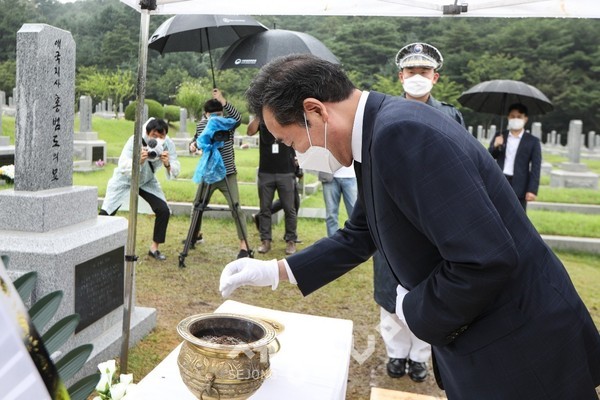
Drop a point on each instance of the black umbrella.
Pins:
(257, 50)
(200, 33)
(496, 96)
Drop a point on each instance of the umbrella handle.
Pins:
(212, 68)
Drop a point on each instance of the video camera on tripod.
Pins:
(211, 169)
(221, 136)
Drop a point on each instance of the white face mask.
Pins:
(417, 86)
(516, 124)
(317, 158)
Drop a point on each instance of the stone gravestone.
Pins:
(591, 141)
(572, 173)
(10, 109)
(182, 137)
(52, 227)
(87, 148)
(7, 152)
(536, 131)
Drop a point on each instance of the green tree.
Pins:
(387, 84)
(494, 66)
(163, 88)
(192, 94)
(8, 74)
(446, 90)
(118, 85)
(13, 14)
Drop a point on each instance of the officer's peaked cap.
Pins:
(419, 55)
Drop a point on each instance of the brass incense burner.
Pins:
(225, 356)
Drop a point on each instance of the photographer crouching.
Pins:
(158, 150)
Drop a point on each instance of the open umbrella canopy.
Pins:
(257, 50)
(201, 33)
(496, 96)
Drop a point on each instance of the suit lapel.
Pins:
(523, 145)
(372, 107)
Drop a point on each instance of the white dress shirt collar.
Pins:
(357, 129)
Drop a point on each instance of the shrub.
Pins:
(155, 109)
(172, 113)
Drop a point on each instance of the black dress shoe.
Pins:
(417, 371)
(157, 255)
(396, 367)
(243, 254)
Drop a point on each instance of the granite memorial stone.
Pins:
(49, 225)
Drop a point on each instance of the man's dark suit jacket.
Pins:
(528, 163)
(497, 305)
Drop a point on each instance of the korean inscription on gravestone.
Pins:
(45, 109)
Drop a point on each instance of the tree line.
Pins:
(558, 56)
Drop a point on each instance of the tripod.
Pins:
(200, 205)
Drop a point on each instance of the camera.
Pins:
(220, 136)
(155, 149)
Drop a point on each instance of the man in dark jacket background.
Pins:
(519, 155)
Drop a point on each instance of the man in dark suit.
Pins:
(476, 280)
(519, 155)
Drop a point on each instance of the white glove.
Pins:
(248, 271)
(400, 293)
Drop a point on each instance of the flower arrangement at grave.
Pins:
(108, 389)
(7, 173)
(100, 163)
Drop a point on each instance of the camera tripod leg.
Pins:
(238, 221)
(200, 203)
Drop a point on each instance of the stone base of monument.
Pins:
(9, 111)
(7, 152)
(573, 175)
(182, 144)
(546, 168)
(87, 149)
(58, 233)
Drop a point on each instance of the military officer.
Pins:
(407, 354)
(419, 64)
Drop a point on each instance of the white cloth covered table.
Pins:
(312, 364)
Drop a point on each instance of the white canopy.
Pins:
(389, 8)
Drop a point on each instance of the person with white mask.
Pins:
(418, 65)
(158, 150)
(519, 155)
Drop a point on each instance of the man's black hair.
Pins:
(519, 107)
(213, 105)
(157, 124)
